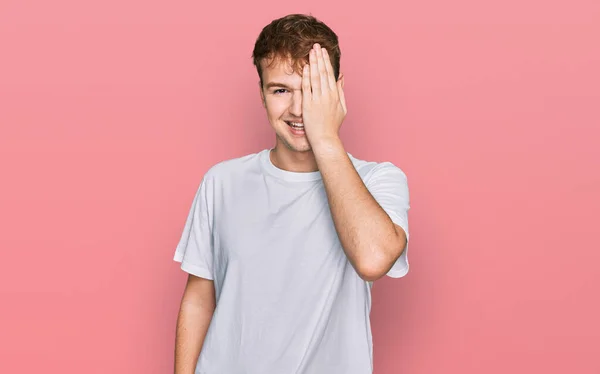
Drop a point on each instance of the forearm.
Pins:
(192, 324)
(366, 232)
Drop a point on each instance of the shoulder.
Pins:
(232, 168)
(371, 171)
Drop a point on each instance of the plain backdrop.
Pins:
(111, 111)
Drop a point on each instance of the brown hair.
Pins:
(292, 37)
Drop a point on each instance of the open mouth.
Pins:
(296, 126)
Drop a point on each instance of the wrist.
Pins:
(327, 145)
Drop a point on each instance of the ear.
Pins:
(262, 95)
(341, 79)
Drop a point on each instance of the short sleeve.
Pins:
(389, 187)
(195, 248)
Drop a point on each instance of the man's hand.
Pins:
(323, 103)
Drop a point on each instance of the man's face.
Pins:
(281, 95)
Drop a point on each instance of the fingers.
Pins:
(329, 68)
(320, 74)
(323, 81)
(315, 77)
(306, 94)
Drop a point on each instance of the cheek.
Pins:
(275, 108)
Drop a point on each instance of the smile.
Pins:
(296, 128)
(295, 125)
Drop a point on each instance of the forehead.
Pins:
(279, 69)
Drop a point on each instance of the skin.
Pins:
(281, 96)
(371, 241)
(195, 314)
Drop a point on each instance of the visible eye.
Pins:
(279, 91)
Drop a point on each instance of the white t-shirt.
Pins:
(288, 299)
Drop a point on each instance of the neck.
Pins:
(298, 162)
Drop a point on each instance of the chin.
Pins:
(294, 145)
(305, 148)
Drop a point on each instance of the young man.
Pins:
(282, 246)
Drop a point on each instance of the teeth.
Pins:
(297, 125)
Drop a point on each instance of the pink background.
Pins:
(111, 111)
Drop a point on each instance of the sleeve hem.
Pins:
(196, 270)
(398, 273)
(401, 267)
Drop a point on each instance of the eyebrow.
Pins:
(277, 84)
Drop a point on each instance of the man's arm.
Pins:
(370, 239)
(195, 313)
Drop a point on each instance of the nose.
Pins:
(296, 104)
